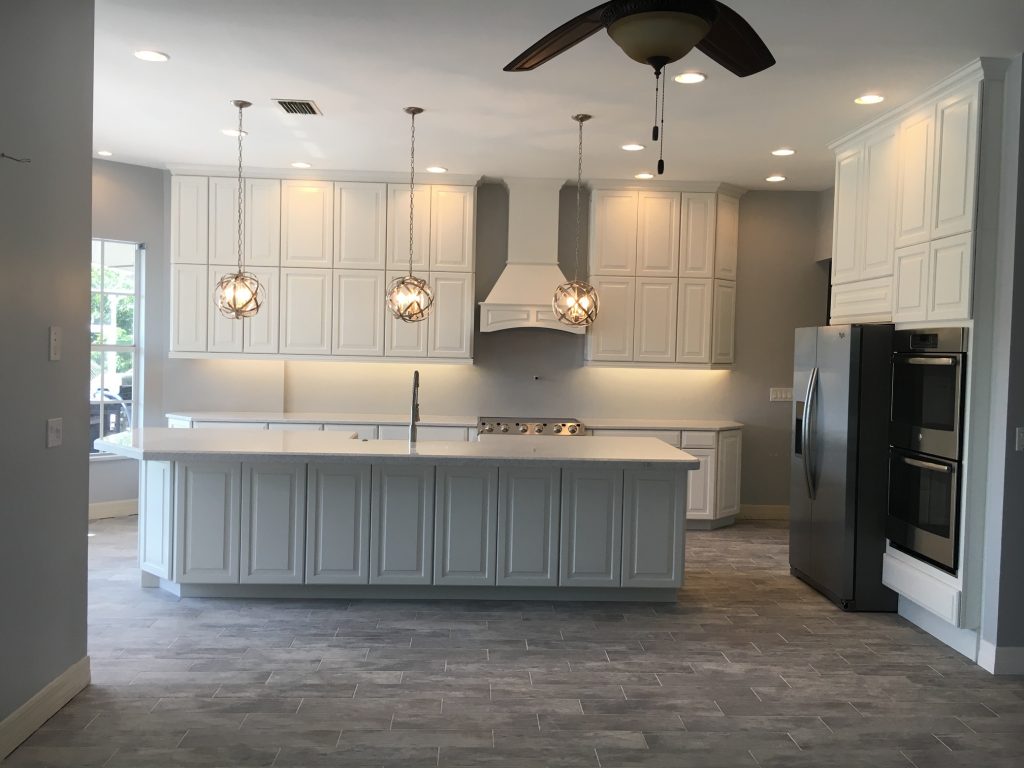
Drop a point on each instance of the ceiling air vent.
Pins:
(299, 106)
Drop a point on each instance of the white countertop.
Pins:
(314, 417)
(161, 443)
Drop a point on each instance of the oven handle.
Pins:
(808, 448)
(927, 465)
(927, 360)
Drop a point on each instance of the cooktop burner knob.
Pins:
(487, 428)
(539, 429)
(523, 428)
(558, 428)
(573, 429)
(504, 427)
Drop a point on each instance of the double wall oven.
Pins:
(925, 439)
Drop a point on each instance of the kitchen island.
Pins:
(264, 513)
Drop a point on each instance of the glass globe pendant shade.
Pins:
(410, 298)
(575, 303)
(238, 295)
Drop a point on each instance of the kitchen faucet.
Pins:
(414, 411)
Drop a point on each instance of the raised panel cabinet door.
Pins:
(402, 339)
(879, 205)
(590, 554)
(338, 524)
(465, 525)
(698, 227)
(358, 312)
(728, 462)
(956, 163)
(528, 515)
(723, 329)
(402, 525)
(700, 486)
(398, 229)
(847, 239)
(950, 266)
(910, 295)
(306, 311)
(914, 179)
(190, 303)
(225, 333)
(273, 523)
(727, 237)
(653, 511)
(360, 225)
(693, 332)
(451, 321)
(307, 223)
(657, 250)
(262, 222)
(613, 232)
(655, 319)
(189, 219)
(207, 521)
(611, 335)
(259, 332)
(223, 221)
(156, 484)
(452, 226)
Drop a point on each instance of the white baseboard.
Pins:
(763, 512)
(26, 719)
(101, 510)
(1000, 659)
(964, 641)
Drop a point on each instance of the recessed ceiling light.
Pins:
(783, 152)
(156, 56)
(436, 169)
(869, 98)
(775, 179)
(232, 132)
(632, 147)
(644, 176)
(300, 164)
(690, 78)
(104, 152)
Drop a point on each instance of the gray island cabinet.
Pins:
(318, 514)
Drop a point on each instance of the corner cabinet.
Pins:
(664, 265)
(324, 252)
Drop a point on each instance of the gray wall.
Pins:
(826, 203)
(46, 60)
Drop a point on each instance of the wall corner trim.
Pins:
(1000, 659)
(26, 719)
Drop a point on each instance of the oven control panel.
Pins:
(501, 425)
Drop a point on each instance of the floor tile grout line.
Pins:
(794, 741)
(907, 758)
(939, 739)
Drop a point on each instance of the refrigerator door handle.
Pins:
(808, 447)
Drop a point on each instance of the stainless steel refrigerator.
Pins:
(842, 380)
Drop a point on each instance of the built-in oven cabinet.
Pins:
(923, 504)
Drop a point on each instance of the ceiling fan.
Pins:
(657, 33)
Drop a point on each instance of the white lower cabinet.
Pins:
(653, 515)
(294, 426)
(273, 523)
(306, 311)
(156, 484)
(465, 525)
(665, 435)
(338, 524)
(363, 431)
(528, 514)
(728, 471)
(590, 553)
(700, 486)
(402, 525)
(207, 515)
(401, 432)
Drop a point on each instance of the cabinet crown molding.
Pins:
(655, 185)
(309, 174)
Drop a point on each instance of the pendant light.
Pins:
(239, 294)
(409, 297)
(575, 302)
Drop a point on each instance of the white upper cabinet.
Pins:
(911, 289)
(657, 253)
(190, 301)
(307, 230)
(875, 245)
(613, 232)
(956, 169)
(727, 237)
(358, 313)
(951, 263)
(450, 331)
(189, 216)
(398, 228)
(693, 330)
(360, 225)
(306, 311)
(698, 234)
(402, 339)
(262, 223)
(452, 228)
(259, 333)
(610, 338)
(914, 178)
(723, 336)
(225, 333)
(223, 218)
(846, 219)
(655, 319)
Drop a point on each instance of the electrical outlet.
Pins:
(780, 395)
(55, 342)
(54, 432)
(1020, 438)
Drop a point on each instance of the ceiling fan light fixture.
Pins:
(658, 36)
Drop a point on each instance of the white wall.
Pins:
(46, 61)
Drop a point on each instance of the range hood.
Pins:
(522, 296)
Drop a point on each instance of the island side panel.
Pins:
(156, 484)
(654, 514)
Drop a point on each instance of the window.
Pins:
(113, 330)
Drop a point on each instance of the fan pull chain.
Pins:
(661, 144)
(657, 88)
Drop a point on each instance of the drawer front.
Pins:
(229, 425)
(863, 300)
(700, 439)
(303, 426)
(665, 435)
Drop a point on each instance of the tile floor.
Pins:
(750, 668)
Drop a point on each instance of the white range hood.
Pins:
(522, 296)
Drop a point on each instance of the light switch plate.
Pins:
(1020, 438)
(54, 432)
(780, 395)
(56, 337)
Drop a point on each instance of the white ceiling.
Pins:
(363, 60)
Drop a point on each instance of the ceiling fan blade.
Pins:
(562, 39)
(734, 44)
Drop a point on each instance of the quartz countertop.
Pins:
(167, 444)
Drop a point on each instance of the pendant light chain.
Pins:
(241, 195)
(579, 190)
(412, 183)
